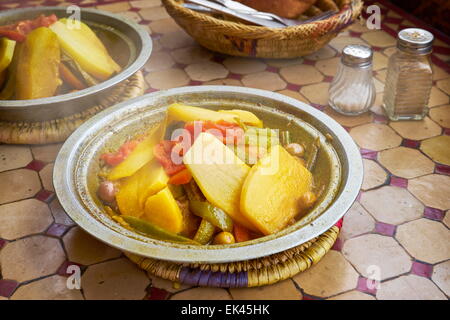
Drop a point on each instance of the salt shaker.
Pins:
(409, 77)
(352, 91)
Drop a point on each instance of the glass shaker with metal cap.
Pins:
(409, 77)
(352, 91)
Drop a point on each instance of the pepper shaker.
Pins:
(352, 90)
(409, 77)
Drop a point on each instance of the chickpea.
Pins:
(308, 199)
(224, 238)
(295, 149)
(107, 191)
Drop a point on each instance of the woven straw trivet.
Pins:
(251, 273)
(58, 130)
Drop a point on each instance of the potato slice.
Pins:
(272, 192)
(78, 43)
(182, 112)
(37, 74)
(135, 190)
(162, 210)
(139, 157)
(6, 53)
(152, 179)
(245, 116)
(219, 173)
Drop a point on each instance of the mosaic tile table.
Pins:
(400, 222)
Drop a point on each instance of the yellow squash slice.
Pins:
(182, 112)
(90, 55)
(272, 192)
(140, 156)
(162, 210)
(245, 116)
(219, 173)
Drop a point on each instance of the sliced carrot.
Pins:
(241, 233)
(70, 78)
(182, 177)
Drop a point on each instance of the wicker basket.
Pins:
(240, 39)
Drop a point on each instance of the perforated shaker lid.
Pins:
(415, 40)
(356, 55)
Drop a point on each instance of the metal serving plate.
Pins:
(128, 43)
(339, 168)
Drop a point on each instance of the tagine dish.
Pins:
(209, 177)
(47, 56)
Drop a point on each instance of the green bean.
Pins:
(214, 215)
(155, 231)
(315, 146)
(205, 232)
(285, 138)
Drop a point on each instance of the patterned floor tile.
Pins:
(59, 214)
(264, 80)
(176, 39)
(153, 13)
(432, 190)
(323, 53)
(438, 98)
(406, 162)
(115, 7)
(46, 153)
(191, 55)
(375, 136)
(145, 3)
(444, 85)
(392, 205)
(281, 63)
(301, 74)
(349, 121)
(240, 65)
(18, 184)
(206, 71)
(441, 115)
(416, 130)
(356, 222)
(31, 258)
(284, 290)
(380, 61)
(353, 295)
(159, 61)
(164, 26)
(379, 39)
(410, 287)
(425, 240)
(114, 280)
(19, 219)
(166, 79)
(446, 220)
(13, 157)
(46, 175)
(340, 42)
(321, 280)
(316, 93)
(84, 249)
(441, 276)
(438, 149)
(294, 94)
(329, 66)
(202, 294)
(374, 175)
(371, 251)
(51, 288)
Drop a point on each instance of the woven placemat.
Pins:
(250, 273)
(58, 130)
